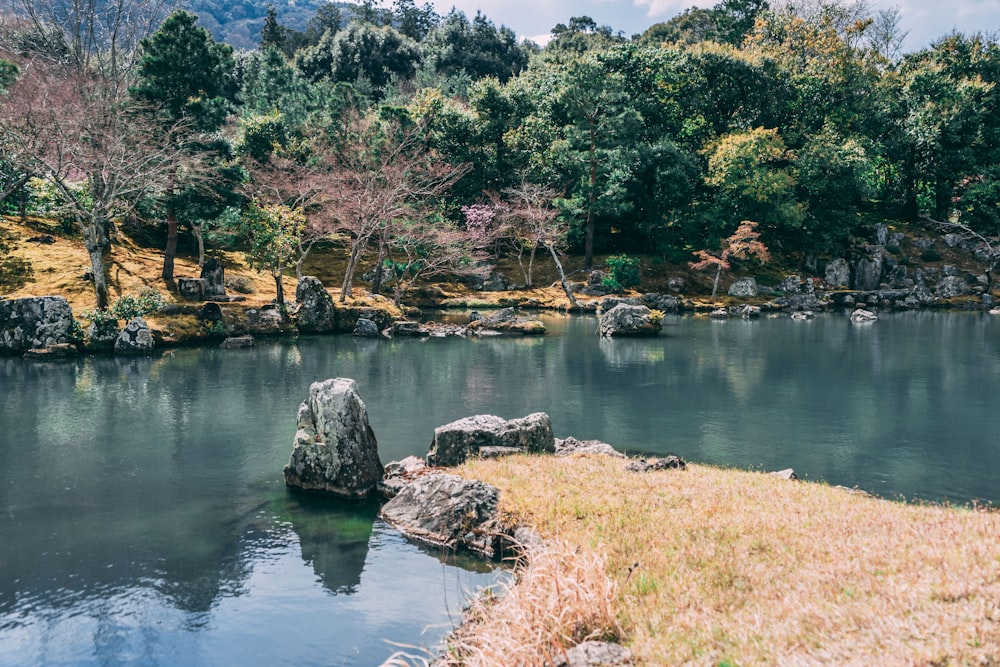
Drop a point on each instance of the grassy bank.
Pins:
(709, 566)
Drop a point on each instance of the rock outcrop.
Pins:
(365, 328)
(34, 322)
(335, 451)
(448, 511)
(570, 446)
(744, 287)
(628, 320)
(838, 273)
(506, 321)
(316, 312)
(463, 439)
(135, 338)
(213, 277)
(668, 462)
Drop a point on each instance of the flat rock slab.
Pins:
(446, 510)
(463, 439)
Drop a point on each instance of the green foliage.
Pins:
(930, 255)
(623, 272)
(476, 48)
(126, 307)
(101, 318)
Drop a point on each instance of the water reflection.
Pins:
(145, 520)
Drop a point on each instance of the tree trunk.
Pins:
(279, 290)
(171, 250)
(531, 265)
(379, 276)
(588, 242)
(562, 275)
(196, 230)
(352, 265)
(96, 243)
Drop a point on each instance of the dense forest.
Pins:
(426, 145)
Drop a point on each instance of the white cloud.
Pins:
(664, 9)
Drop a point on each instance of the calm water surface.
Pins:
(144, 519)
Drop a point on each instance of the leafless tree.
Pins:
(375, 175)
(78, 131)
(988, 249)
(528, 213)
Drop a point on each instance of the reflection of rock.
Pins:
(335, 450)
(334, 536)
(34, 322)
(455, 442)
(626, 320)
(135, 338)
(447, 510)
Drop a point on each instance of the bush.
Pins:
(930, 255)
(127, 306)
(623, 272)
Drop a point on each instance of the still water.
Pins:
(143, 518)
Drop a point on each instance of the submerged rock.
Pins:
(447, 510)
(35, 322)
(463, 439)
(506, 320)
(335, 450)
(862, 316)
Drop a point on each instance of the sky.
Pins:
(924, 20)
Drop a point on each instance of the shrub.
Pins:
(623, 272)
(930, 255)
(127, 306)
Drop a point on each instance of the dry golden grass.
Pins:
(744, 568)
(562, 598)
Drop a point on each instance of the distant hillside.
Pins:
(239, 22)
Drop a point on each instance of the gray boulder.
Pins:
(626, 320)
(952, 286)
(191, 289)
(268, 320)
(405, 329)
(135, 338)
(868, 272)
(316, 312)
(571, 446)
(595, 654)
(744, 287)
(213, 276)
(862, 316)
(448, 511)
(507, 321)
(669, 462)
(664, 303)
(790, 285)
(335, 450)
(460, 440)
(365, 328)
(102, 334)
(838, 273)
(34, 322)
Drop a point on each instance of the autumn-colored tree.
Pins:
(743, 244)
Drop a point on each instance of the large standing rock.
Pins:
(446, 510)
(744, 287)
(316, 311)
(335, 450)
(191, 289)
(213, 276)
(626, 320)
(135, 338)
(455, 442)
(34, 322)
(838, 273)
(868, 272)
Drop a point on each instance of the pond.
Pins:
(145, 521)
